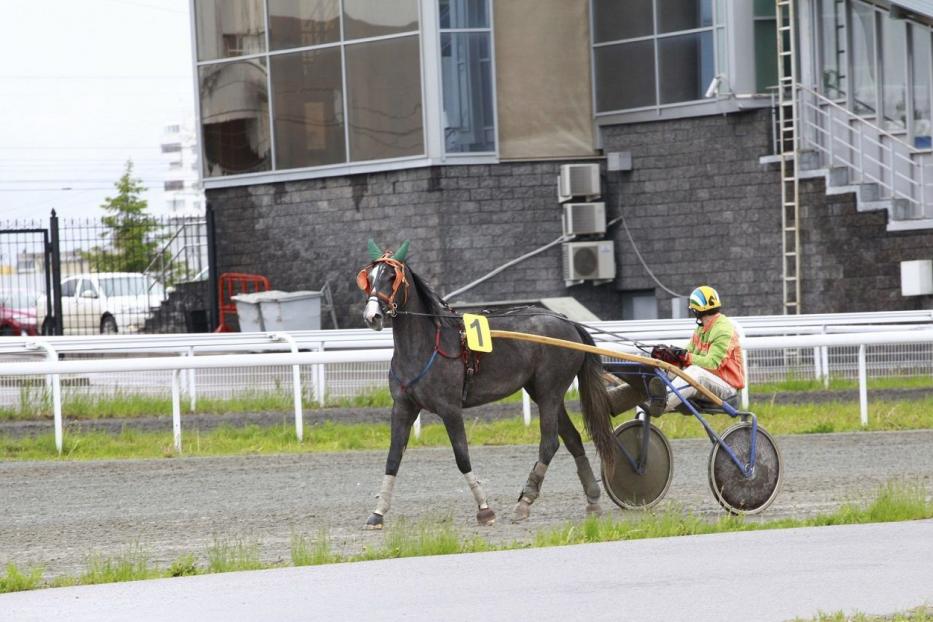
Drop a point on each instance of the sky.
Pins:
(86, 85)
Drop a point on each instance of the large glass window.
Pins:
(235, 117)
(652, 52)
(466, 71)
(308, 96)
(894, 73)
(227, 28)
(864, 92)
(303, 23)
(384, 97)
(920, 55)
(344, 76)
(833, 48)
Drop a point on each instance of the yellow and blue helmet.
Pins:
(704, 299)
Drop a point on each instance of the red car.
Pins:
(17, 312)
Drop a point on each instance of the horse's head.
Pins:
(382, 280)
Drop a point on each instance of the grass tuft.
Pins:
(233, 556)
(184, 566)
(131, 565)
(314, 552)
(14, 580)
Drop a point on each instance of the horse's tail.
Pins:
(595, 400)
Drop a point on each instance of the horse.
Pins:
(432, 370)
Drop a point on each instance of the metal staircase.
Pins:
(787, 144)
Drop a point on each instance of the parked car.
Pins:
(18, 314)
(106, 303)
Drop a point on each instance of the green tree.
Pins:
(133, 243)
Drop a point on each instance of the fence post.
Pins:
(526, 407)
(176, 410)
(862, 385)
(56, 273)
(192, 384)
(213, 320)
(418, 427)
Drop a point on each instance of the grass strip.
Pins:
(79, 404)
(896, 501)
(780, 419)
(920, 614)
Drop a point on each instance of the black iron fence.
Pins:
(112, 275)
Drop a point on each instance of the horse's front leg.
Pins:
(404, 413)
(457, 434)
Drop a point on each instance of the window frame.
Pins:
(456, 155)
(658, 108)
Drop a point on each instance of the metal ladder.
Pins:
(787, 149)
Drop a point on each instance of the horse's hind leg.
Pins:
(574, 443)
(547, 448)
(457, 434)
(404, 413)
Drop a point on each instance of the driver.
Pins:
(713, 358)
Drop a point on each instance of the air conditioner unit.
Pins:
(578, 180)
(584, 218)
(589, 261)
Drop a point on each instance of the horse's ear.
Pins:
(374, 251)
(402, 251)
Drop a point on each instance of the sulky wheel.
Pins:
(623, 484)
(735, 492)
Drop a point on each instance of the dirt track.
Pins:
(55, 513)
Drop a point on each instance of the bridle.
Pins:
(388, 301)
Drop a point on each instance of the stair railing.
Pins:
(870, 153)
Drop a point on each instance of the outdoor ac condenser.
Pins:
(578, 181)
(584, 218)
(589, 261)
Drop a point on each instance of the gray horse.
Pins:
(432, 371)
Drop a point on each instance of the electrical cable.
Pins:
(644, 264)
(505, 266)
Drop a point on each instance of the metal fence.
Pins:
(108, 275)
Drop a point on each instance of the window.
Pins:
(340, 83)
(652, 52)
(308, 96)
(765, 47)
(833, 49)
(863, 59)
(227, 28)
(68, 287)
(920, 52)
(384, 99)
(893, 48)
(235, 117)
(303, 23)
(466, 73)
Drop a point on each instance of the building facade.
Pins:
(448, 122)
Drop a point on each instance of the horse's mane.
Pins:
(434, 303)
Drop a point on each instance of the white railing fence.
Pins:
(198, 365)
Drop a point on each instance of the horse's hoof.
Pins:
(486, 517)
(594, 509)
(522, 510)
(373, 522)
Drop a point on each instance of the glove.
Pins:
(671, 354)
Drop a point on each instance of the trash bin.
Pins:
(248, 313)
(290, 310)
(277, 310)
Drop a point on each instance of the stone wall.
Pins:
(697, 202)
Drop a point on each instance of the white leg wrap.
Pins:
(385, 495)
(478, 493)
